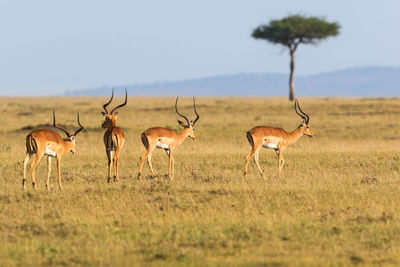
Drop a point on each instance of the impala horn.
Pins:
(81, 127)
(195, 111)
(59, 127)
(123, 104)
(176, 109)
(301, 113)
(108, 103)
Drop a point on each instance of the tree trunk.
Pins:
(291, 80)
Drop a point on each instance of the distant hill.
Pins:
(366, 81)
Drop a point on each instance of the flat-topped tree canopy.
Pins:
(294, 30)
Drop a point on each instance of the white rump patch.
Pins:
(49, 152)
(269, 145)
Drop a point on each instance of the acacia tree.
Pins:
(294, 30)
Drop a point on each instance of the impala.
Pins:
(277, 139)
(46, 142)
(167, 139)
(114, 138)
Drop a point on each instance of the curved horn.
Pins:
(81, 127)
(195, 111)
(295, 109)
(303, 114)
(176, 109)
(108, 103)
(58, 127)
(123, 104)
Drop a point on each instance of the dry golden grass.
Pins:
(336, 204)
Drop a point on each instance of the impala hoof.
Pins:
(108, 180)
(34, 185)
(115, 180)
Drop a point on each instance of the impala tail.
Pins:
(115, 142)
(250, 138)
(111, 142)
(145, 141)
(31, 146)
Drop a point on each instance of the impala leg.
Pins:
(59, 172)
(33, 166)
(116, 162)
(48, 172)
(142, 159)
(253, 151)
(173, 168)
(149, 163)
(146, 154)
(26, 160)
(171, 163)
(109, 158)
(168, 152)
(257, 162)
(281, 161)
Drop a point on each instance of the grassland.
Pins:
(336, 204)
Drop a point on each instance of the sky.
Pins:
(49, 47)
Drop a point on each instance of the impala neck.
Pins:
(68, 146)
(296, 134)
(182, 135)
(113, 122)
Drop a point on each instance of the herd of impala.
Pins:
(44, 142)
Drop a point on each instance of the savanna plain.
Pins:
(337, 202)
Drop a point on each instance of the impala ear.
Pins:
(103, 113)
(181, 123)
(115, 113)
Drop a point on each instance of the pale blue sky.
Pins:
(48, 47)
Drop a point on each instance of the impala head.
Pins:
(110, 118)
(305, 120)
(70, 136)
(189, 124)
